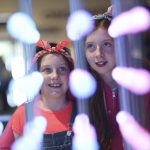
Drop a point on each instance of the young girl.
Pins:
(55, 102)
(104, 105)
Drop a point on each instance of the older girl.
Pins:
(104, 105)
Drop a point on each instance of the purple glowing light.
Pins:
(132, 132)
(82, 83)
(79, 24)
(135, 80)
(133, 21)
(85, 135)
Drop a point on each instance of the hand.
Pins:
(133, 133)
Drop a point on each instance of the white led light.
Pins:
(22, 27)
(82, 83)
(79, 24)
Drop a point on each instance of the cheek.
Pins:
(109, 54)
(44, 84)
(65, 79)
(46, 79)
(89, 57)
(111, 57)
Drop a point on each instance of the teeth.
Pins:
(55, 85)
(100, 63)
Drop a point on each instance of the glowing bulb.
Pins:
(32, 135)
(82, 83)
(79, 24)
(135, 80)
(133, 21)
(133, 133)
(18, 67)
(39, 123)
(26, 87)
(22, 27)
(85, 136)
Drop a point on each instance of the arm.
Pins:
(7, 137)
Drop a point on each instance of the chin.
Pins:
(56, 96)
(103, 72)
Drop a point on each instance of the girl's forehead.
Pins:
(54, 56)
(53, 59)
(99, 35)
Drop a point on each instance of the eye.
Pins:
(46, 70)
(62, 70)
(107, 45)
(90, 47)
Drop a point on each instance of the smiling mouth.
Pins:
(55, 85)
(101, 63)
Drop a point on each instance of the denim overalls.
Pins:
(60, 140)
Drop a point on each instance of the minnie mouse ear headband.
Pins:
(46, 48)
(107, 15)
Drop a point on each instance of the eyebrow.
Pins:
(63, 64)
(110, 39)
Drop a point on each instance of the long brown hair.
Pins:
(97, 112)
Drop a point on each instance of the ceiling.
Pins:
(50, 16)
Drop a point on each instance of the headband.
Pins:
(107, 15)
(46, 48)
(102, 16)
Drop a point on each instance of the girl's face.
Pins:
(100, 54)
(55, 71)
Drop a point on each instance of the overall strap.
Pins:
(74, 112)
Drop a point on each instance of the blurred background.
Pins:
(50, 17)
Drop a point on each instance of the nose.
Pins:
(54, 74)
(98, 52)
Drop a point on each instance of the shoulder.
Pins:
(20, 109)
(19, 119)
(19, 114)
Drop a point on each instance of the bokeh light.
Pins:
(135, 80)
(26, 88)
(79, 24)
(134, 134)
(32, 135)
(84, 134)
(22, 27)
(133, 21)
(82, 84)
(18, 67)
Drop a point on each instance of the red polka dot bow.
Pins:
(46, 48)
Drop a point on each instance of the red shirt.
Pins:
(57, 121)
(7, 137)
(61, 121)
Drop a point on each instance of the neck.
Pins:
(53, 104)
(107, 78)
